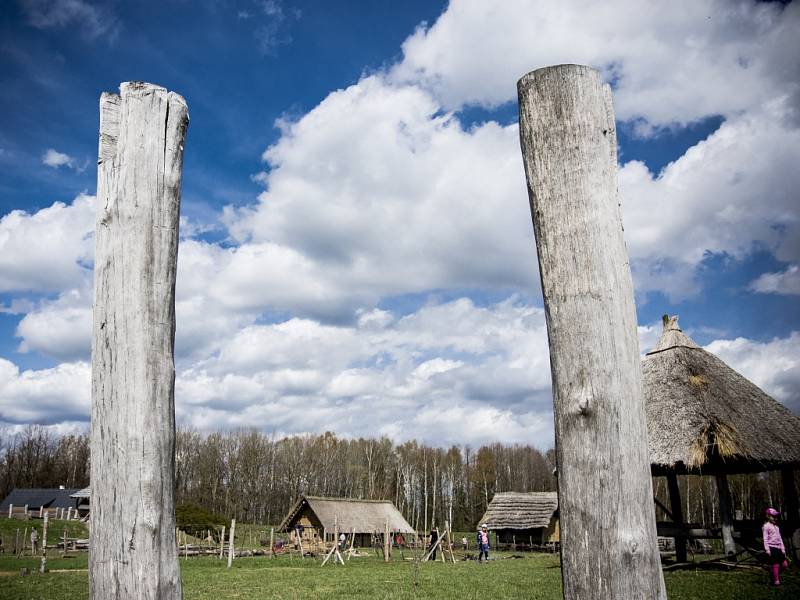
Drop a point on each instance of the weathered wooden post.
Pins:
(726, 514)
(43, 563)
(132, 547)
(387, 544)
(676, 508)
(231, 548)
(608, 534)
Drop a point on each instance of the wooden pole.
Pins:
(222, 542)
(790, 499)
(386, 542)
(676, 509)
(43, 564)
(272, 542)
(133, 375)
(10, 510)
(726, 514)
(230, 543)
(609, 547)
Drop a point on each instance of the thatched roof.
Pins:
(704, 417)
(520, 510)
(365, 516)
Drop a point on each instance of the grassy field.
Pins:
(55, 529)
(534, 576)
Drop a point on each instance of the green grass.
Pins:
(535, 576)
(55, 529)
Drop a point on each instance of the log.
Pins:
(726, 514)
(231, 548)
(133, 375)
(608, 531)
(43, 563)
(677, 515)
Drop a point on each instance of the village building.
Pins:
(523, 518)
(316, 519)
(37, 500)
(704, 418)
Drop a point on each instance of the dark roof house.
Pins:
(36, 498)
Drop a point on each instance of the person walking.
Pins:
(34, 541)
(483, 543)
(773, 545)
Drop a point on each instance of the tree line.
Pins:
(255, 477)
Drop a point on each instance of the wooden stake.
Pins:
(43, 564)
(10, 510)
(272, 542)
(230, 543)
(726, 514)
(222, 542)
(676, 509)
(569, 147)
(133, 375)
(386, 542)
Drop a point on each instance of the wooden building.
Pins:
(317, 517)
(704, 418)
(38, 499)
(523, 518)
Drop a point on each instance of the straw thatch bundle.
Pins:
(704, 417)
(520, 510)
(348, 514)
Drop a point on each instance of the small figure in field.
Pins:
(434, 537)
(342, 540)
(464, 543)
(34, 541)
(483, 543)
(773, 545)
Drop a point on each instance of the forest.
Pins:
(255, 477)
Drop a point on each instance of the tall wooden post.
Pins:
(608, 532)
(43, 563)
(231, 548)
(726, 514)
(790, 499)
(387, 544)
(133, 375)
(676, 508)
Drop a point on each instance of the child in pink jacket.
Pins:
(773, 545)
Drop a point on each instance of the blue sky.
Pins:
(356, 238)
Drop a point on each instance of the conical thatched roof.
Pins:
(704, 417)
(520, 510)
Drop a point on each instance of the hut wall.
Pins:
(520, 536)
(553, 531)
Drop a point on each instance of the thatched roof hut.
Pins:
(523, 517)
(319, 516)
(704, 417)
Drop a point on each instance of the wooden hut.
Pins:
(704, 418)
(38, 499)
(317, 518)
(523, 518)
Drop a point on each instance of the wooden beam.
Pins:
(726, 514)
(133, 374)
(569, 147)
(677, 515)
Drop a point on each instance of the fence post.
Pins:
(133, 375)
(568, 140)
(230, 543)
(43, 564)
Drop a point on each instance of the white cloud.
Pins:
(49, 250)
(61, 329)
(55, 159)
(92, 19)
(670, 64)
(375, 193)
(783, 282)
(731, 193)
(51, 396)
(774, 366)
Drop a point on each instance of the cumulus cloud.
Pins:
(783, 282)
(55, 159)
(50, 250)
(45, 396)
(375, 192)
(61, 329)
(93, 20)
(668, 66)
(774, 365)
